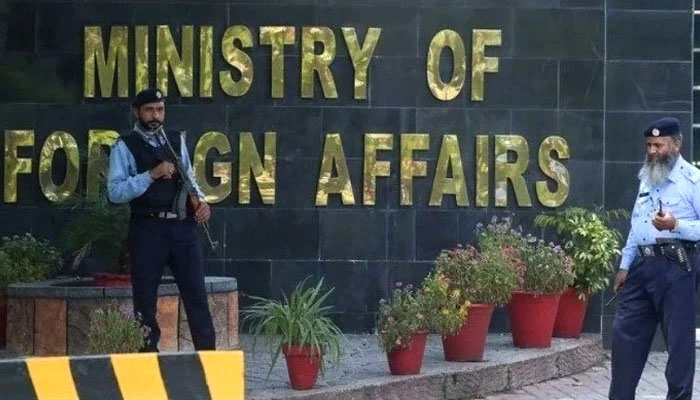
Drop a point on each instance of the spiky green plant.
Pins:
(301, 319)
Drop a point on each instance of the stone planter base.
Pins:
(53, 317)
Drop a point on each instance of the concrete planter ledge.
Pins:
(364, 372)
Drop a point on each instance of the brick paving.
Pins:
(593, 384)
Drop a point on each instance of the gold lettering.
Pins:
(449, 158)
(334, 157)
(372, 167)
(361, 56)
(221, 170)
(480, 63)
(310, 61)
(13, 163)
(168, 58)
(277, 37)
(117, 58)
(506, 171)
(97, 163)
(441, 90)
(141, 59)
(249, 161)
(411, 142)
(206, 60)
(55, 141)
(482, 171)
(238, 59)
(555, 170)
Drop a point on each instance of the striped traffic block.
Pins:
(216, 375)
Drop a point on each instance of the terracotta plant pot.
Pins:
(572, 311)
(111, 280)
(468, 343)
(3, 321)
(408, 360)
(302, 366)
(532, 318)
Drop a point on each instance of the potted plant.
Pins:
(24, 258)
(100, 229)
(403, 330)
(299, 327)
(111, 331)
(594, 247)
(480, 281)
(543, 272)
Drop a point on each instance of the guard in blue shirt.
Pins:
(163, 227)
(658, 273)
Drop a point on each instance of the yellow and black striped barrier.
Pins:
(216, 375)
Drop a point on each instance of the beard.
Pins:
(656, 170)
(150, 125)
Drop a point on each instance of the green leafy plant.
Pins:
(590, 241)
(99, 226)
(483, 278)
(301, 319)
(548, 268)
(500, 234)
(113, 332)
(400, 317)
(23, 258)
(443, 304)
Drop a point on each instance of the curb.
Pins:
(449, 380)
(216, 375)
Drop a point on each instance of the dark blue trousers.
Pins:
(657, 290)
(153, 244)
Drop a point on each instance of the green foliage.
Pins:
(483, 278)
(591, 242)
(400, 317)
(444, 304)
(548, 268)
(113, 332)
(500, 234)
(99, 226)
(299, 320)
(25, 259)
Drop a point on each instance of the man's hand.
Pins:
(664, 222)
(620, 279)
(163, 170)
(202, 212)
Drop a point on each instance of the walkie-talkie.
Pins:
(661, 209)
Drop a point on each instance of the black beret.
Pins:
(148, 96)
(663, 127)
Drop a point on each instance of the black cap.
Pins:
(663, 127)
(148, 96)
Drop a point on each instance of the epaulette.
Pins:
(691, 172)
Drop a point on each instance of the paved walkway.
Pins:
(593, 384)
(363, 371)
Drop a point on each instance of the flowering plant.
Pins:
(549, 268)
(444, 303)
(23, 258)
(111, 331)
(483, 278)
(400, 317)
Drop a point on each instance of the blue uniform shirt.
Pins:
(124, 184)
(680, 195)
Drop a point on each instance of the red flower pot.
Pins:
(532, 318)
(570, 315)
(468, 343)
(302, 366)
(408, 359)
(111, 280)
(3, 321)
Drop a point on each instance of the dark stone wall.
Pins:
(593, 71)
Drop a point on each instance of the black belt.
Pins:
(666, 248)
(158, 215)
(674, 250)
